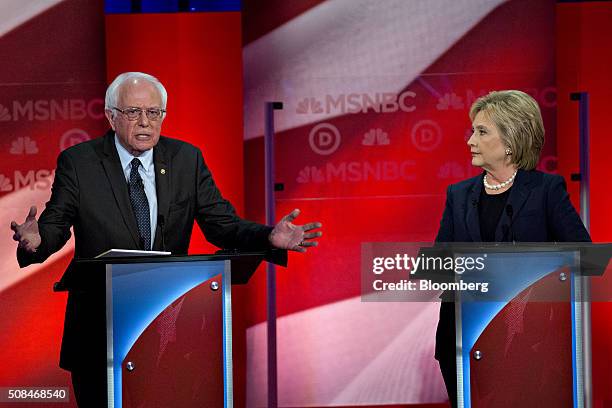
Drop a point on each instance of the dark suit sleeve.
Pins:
(218, 220)
(445, 233)
(57, 218)
(445, 331)
(563, 219)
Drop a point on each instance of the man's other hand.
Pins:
(287, 235)
(27, 233)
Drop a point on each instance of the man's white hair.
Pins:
(112, 92)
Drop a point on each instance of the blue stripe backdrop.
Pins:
(169, 6)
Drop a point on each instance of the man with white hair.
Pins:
(135, 189)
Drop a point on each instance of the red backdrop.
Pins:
(583, 63)
(197, 56)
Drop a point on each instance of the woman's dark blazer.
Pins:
(539, 205)
(538, 210)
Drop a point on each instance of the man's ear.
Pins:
(110, 115)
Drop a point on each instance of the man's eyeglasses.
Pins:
(134, 113)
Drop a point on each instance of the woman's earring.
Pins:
(508, 152)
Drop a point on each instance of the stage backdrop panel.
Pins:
(52, 78)
(374, 128)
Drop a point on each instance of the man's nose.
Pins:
(143, 120)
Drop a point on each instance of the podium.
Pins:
(160, 327)
(526, 340)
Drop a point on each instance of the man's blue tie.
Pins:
(140, 205)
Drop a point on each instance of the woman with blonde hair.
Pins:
(508, 201)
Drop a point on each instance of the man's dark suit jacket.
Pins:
(90, 193)
(541, 212)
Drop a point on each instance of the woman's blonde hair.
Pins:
(519, 120)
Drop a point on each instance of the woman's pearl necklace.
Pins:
(500, 185)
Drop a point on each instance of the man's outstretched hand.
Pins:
(287, 235)
(27, 233)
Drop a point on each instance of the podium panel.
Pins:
(159, 327)
(521, 339)
(515, 317)
(163, 342)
